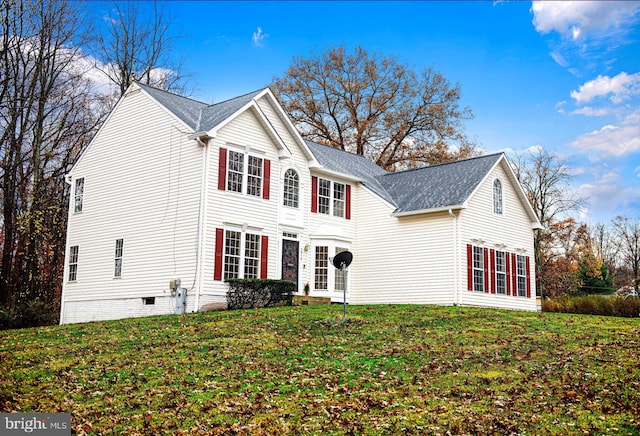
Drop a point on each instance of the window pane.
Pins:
(232, 254)
(497, 197)
(251, 256)
(118, 258)
(324, 196)
(254, 178)
(501, 278)
(235, 170)
(339, 281)
(79, 194)
(73, 262)
(522, 276)
(321, 268)
(478, 269)
(338, 199)
(291, 184)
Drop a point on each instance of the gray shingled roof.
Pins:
(197, 115)
(437, 186)
(432, 187)
(351, 164)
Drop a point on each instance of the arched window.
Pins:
(291, 188)
(497, 197)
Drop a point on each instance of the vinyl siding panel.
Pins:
(510, 232)
(142, 182)
(401, 260)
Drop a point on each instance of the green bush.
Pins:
(594, 305)
(249, 293)
(33, 313)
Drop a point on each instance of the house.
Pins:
(173, 195)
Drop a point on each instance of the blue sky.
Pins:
(560, 75)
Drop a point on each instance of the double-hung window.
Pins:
(330, 198)
(501, 273)
(244, 172)
(241, 254)
(478, 269)
(117, 272)
(74, 251)
(78, 195)
(321, 275)
(521, 271)
(339, 274)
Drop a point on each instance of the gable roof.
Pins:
(447, 185)
(197, 115)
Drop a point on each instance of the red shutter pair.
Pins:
(222, 174)
(314, 198)
(219, 255)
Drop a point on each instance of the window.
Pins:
(339, 277)
(521, 272)
(330, 198)
(478, 269)
(235, 170)
(501, 273)
(338, 199)
(497, 197)
(118, 258)
(321, 268)
(291, 188)
(73, 262)
(78, 195)
(149, 301)
(324, 196)
(254, 176)
(239, 263)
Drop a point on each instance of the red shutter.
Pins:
(492, 259)
(314, 194)
(264, 256)
(469, 267)
(528, 266)
(348, 203)
(507, 262)
(217, 265)
(514, 275)
(485, 252)
(222, 170)
(266, 178)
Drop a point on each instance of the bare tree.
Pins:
(44, 122)
(376, 107)
(133, 48)
(546, 180)
(628, 236)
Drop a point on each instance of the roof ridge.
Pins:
(238, 97)
(170, 92)
(482, 156)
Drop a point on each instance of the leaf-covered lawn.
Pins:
(292, 370)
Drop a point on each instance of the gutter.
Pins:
(435, 209)
(68, 180)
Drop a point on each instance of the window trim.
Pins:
(78, 197)
(74, 255)
(324, 198)
(501, 273)
(478, 269)
(498, 197)
(244, 263)
(291, 189)
(117, 268)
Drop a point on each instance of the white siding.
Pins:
(401, 260)
(142, 183)
(512, 228)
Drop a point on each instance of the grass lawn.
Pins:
(293, 370)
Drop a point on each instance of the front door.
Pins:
(290, 260)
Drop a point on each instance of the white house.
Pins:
(172, 188)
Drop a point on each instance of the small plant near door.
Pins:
(306, 289)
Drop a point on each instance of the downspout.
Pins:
(456, 301)
(67, 179)
(199, 288)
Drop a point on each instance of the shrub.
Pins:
(594, 305)
(33, 313)
(249, 293)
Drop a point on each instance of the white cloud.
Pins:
(611, 139)
(259, 37)
(620, 88)
(575, 18)
(590, 111)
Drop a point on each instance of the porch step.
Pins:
(305, 300)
